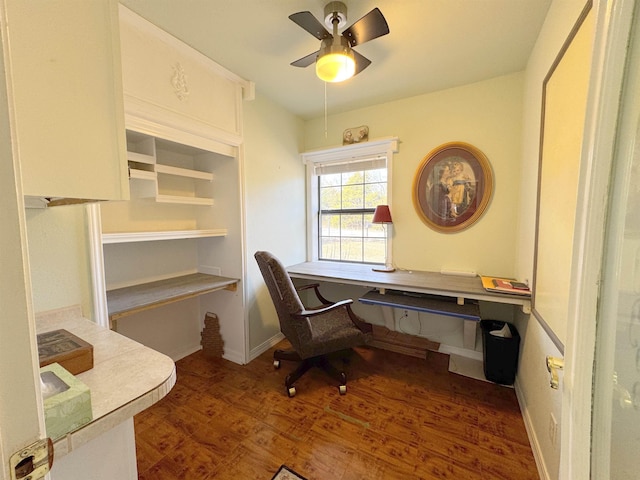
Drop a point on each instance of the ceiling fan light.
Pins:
(336, 67)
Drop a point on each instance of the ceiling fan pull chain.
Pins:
(325, 111)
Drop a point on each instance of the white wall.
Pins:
(274, 205)
(487, 115)
(537, 399)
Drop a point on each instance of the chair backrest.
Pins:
(285, 298)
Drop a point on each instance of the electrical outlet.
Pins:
(553, 430)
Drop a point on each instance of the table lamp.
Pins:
(383, 215)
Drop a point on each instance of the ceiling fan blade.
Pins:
(307, 21)
(306, 61)
(362, 62)
(372, 25)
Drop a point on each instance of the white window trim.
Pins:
(386, 147)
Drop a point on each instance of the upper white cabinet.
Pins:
(66, 88)
(167, 82)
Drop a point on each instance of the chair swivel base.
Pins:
(321, 361)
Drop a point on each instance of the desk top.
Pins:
(128, 300)
(407, 280)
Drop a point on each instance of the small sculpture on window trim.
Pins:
(355, 135)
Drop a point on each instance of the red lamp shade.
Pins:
(382, 214)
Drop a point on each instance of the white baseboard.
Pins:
(185, 353)
(233, 356)
(533, 439)
(264, 346)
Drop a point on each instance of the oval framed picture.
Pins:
(452, 187)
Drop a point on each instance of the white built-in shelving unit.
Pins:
(174, 251)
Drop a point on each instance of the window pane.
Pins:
(330, 198)
(378, 175)
(330, 180)
(330, 248)
(375, 194)
(374, 250)
(351, 249)
(353, 196)
(352, 178)
(352, 225)
(330, 225)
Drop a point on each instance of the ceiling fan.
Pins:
(336, 60)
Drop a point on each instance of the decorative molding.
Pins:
(179, 82)
(155, 120)
(183, 49)
(383, 146)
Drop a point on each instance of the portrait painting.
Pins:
(452, 187)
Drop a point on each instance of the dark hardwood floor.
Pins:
(402, 418)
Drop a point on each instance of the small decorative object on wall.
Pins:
(452, 187)
(179, 82)
(355, 135)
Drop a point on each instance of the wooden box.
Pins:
(61, 346)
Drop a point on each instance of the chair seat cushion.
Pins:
(332, 332)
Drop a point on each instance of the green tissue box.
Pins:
(67, 401)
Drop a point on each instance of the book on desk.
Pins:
(505, 285)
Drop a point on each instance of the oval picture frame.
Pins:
(452, 187)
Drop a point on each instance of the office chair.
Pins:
(314, 333)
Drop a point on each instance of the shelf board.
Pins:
(130, 237)
(141, 158)
(184, 200)
(184, 172)
(136, 174)
(129, 300)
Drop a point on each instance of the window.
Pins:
(347, 201)
(345, 185)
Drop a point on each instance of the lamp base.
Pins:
(384, 269)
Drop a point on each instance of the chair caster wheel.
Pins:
(291, 392)
(342, 389)
(276, 364)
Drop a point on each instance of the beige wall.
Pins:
(487, 115)
(59, 258)
(274, 205)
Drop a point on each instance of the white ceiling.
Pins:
(433, 45)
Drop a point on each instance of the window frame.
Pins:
(379, 148)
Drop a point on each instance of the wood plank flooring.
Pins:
(402, 418)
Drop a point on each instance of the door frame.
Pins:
(613, 22)
(21, 406)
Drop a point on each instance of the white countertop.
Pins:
(126, 377)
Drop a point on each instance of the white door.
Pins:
(21, 417)
(601, 394)
(616, 396)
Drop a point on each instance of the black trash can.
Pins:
(500, 354)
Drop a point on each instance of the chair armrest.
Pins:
(316, 289)
(319, 311)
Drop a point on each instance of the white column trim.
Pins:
(100, 312)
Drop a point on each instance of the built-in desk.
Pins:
(130, 300)
(462, 288)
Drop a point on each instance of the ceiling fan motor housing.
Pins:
(337, 10)
(337, 44)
